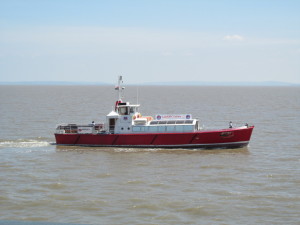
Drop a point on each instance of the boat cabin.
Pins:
(126, 119)
(120, 120)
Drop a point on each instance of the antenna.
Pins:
(137, 95)
(119, 88)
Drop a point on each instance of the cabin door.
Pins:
(112, 124)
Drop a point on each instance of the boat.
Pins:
(125, 127)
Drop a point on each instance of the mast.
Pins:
(119, 88)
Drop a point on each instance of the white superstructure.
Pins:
(126, 119)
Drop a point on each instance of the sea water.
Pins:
(43, 182)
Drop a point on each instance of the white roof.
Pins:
(113, 114)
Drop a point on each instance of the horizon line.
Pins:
(154, 83)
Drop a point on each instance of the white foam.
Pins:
(23, 143)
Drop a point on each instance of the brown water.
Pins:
(259, 184)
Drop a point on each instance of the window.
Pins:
(123, 110)
(161, 128)
(136, 129)
(172, 122)
(179, 128)
(188, 128)
(171, 128)
(162, 122)
(153, 129)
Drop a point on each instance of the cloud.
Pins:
(234, 37)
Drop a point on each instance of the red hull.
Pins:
(228, 138)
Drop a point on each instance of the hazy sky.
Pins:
(150, 40)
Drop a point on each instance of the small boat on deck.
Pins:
(126, 127)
